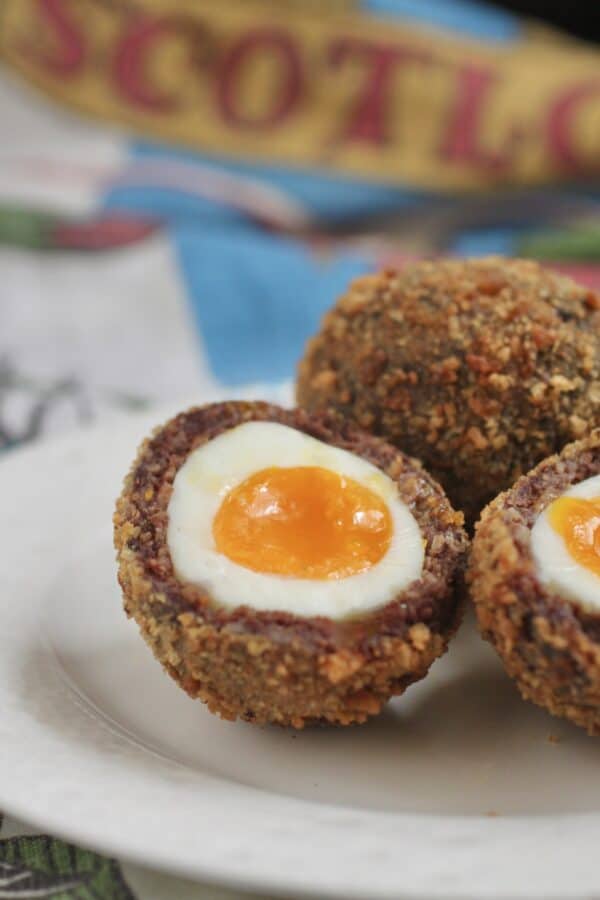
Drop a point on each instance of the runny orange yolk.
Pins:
(577, 520)
(303, 521)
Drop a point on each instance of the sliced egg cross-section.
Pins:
(269, 517)
(565, 542)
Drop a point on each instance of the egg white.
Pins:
(556, 567)
(212, 470)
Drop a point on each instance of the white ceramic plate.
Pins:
(458, 790)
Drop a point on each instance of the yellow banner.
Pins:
(339, 90)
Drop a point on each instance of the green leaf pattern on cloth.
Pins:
(40, 866)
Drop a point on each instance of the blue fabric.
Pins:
(485, 241)
(169, 205)
(256, 298)
(328, 197)
(464, 16)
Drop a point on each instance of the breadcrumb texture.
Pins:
(479, 368)
(276, 667)
(549, 644)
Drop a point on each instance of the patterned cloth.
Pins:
(132, 274)
(34, 865)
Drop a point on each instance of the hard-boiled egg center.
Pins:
(303, 521)
(268, 517)
(577, 521)
(565, 543)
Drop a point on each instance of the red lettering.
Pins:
(279, 45)
(69, 53)
(561, 135)
(369, 116)
(131, 64)
(461, 143)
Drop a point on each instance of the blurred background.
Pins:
(186, 186)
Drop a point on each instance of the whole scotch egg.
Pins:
(534, 577)
(480, 368)
(284, 567)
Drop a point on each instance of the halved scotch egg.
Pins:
(534, 577)
(284, 567)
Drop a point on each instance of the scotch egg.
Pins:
(480, 368)
(284, 567)
(534, 577)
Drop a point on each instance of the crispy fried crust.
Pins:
(478, 368)
(276, 667)
(548, 644)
